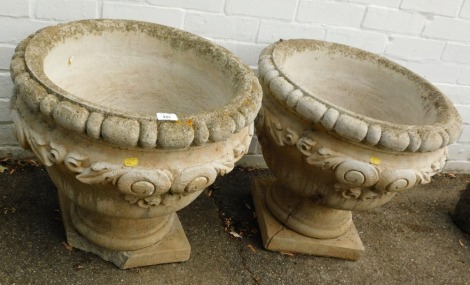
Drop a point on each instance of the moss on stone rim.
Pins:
(246, 100)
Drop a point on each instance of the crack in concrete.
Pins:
(242, 244)
(283, 223)
(271, 238)
(246, 267)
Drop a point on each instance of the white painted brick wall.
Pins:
(369, 40)
(464, 77)
(247, 52)
(330, 13)
(19, 8)
(438, 7)
(278, 9)
(465, 12)
(431, 37)
(465, 136)
(6, 51)
(393, 20)
(271, 31)
(438, 72)
(65, 10)
(161, 15)
(13, 30)
(6, 135)
(200, 5)
(4, 110)
(459, 53)
(6, 86)
(381, 3)
(458, 94)
(452, 29)
(220, 26)
(412, 48)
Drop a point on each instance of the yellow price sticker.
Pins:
(374, 160)
(130, 162)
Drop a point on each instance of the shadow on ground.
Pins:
(410, 240)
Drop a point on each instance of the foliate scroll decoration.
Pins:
(152, 187)
(143, 187)
(355, 179)
(140, 186)
(352, 176)
(360, 180)
(347, 171)
(282, 135)
(48, 152)
(397, 180)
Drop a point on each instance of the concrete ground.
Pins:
(410, 240)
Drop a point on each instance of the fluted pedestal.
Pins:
(164, 244)
(278, 235)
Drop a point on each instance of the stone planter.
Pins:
(341, 129)
(87, 94)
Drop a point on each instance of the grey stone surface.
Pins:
(410, 240)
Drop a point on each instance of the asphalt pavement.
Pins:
(410, 240)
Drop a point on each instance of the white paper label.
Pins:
(167, 117)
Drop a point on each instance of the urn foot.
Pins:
(174, 247)
(305, 215)
(277, 237)
(127, 243)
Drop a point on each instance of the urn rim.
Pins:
(127, 129)
(350, 125)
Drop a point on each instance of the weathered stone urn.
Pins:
(342, 130)
(86, 104)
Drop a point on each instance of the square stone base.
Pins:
(174, 247)
(277, 237)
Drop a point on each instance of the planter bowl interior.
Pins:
(369, 88)
(135, 72)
